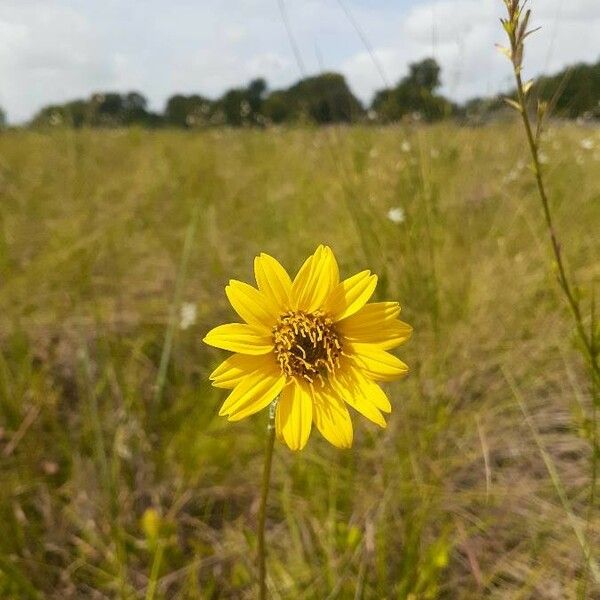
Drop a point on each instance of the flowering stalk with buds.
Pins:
(516, 26)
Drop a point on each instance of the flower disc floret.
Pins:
(307, 345)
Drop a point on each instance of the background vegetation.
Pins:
(117, 479)
(322, 99)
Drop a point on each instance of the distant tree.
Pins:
(278, 108)
(188, 111)
(71, 114)
(100, 110)
(106, 108)
(135, 109)
(234, 106)
(242, 106)
(257, 91)
(574, 92)
(2, 119)
(324, 98)
(425, 75)
(576, 89)
(414, 94)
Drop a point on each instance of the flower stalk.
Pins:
(262, 512)
(516, 27)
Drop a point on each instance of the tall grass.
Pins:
(453, 500)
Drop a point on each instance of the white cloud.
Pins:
(46, 50)
(461, 35)
(53, 50)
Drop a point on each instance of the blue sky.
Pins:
(54, 50)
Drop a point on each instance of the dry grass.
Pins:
(453, 500)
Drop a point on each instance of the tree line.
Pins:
(572, 93)
(321, 99)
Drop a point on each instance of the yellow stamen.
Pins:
(307, 345)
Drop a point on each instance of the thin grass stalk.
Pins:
(107, 475)
(262, 512)
(155, 570)
(165, 356)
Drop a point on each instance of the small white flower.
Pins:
(513, 175)
(543, 157)
(187, 315)
(587, 144)
(405, 146)
(396, 215)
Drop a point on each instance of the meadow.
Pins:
(119, 480)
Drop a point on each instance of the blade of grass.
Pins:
(188, 243)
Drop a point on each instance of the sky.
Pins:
(57, 50)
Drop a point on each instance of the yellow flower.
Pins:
(315, 343)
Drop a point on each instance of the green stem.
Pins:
(262, 513)
(563, 279)
(155, 570)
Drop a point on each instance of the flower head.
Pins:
(314, 343)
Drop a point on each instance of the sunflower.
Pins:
(314, 343)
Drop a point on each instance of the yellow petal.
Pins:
(273, 281)
(351, 295)
(376, 323)
(331, 418)
(377, 395)
(255, 392)
(371, 315)
(239, 337)
(352, 387)
(317, 277)
(231, 371)
(376, 363)
(294, 415)
(253, 306)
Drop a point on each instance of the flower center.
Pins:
(307, 345)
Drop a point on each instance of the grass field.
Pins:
(119, 480)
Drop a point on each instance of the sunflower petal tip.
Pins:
(297, 447)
